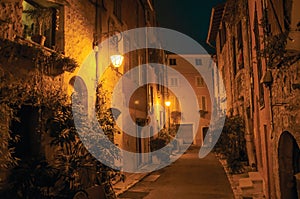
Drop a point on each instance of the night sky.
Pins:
(190, 17)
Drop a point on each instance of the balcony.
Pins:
(29, 55)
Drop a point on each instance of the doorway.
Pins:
(289, 165)
(26, 127)
(140, 122)
(204, 133)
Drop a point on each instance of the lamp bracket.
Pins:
(113, 33)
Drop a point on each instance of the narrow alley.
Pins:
(188, 177)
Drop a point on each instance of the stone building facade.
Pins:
(258, 55)
(40, 73)
(186, 68)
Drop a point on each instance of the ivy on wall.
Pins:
(274, 46)
(73, 167)
(52, 62)
(232, 144)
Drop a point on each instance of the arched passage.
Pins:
(289, 165)
(79, 88)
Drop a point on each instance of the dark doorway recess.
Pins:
(289, 165)
(26, 126)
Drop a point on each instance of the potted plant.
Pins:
(41, 18)
(163, 139)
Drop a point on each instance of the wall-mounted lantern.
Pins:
(267, 79)
(116, 58)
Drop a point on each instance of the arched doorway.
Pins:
(289, 165)
(79, 88)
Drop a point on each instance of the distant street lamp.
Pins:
(168, 104)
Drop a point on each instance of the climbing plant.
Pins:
(53, 63)
(72, 167)
(274, 45)
(232, 144)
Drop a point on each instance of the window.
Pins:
(41, 21)
(199, 82)
(117, 9)
(173, 81)
(240, 35)
(204, 132)
(240, 56)
(198, 62)
(287, 11)
(234, 56)
(223, 72)
(203, 103)
(172, 61)
(151, 99)
(222, 35)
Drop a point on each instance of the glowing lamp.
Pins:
(116, 60)
(168, 103)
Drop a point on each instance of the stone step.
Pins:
(245, 184)
(255, 177)
(252, 187)
(252, 196)
(257, 181)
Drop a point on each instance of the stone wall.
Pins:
(79, 28)
(10, 19)
(285, 112)
(286, 100)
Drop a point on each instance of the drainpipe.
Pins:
(96, 39)
(249, 118)
(268, 192)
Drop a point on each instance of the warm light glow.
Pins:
(168, 103)
(96, 48)
(116, 60)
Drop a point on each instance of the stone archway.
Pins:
(289, 165)
(79, 87)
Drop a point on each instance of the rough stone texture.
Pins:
(76, 34)
(286, 110)
(79, 28)
(280, 111)
(10, 19)
(29, 83)
(237, 81)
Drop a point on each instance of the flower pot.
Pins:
(40, 39)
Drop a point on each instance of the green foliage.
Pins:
(73, 158)
(62, 63)
(274, 45)
(104, 114)
(232, 143)
(48, 62)
(32, 178)
(157, 144)
(165, 136)
(73, 167)
(41, 17)
(7, 160)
